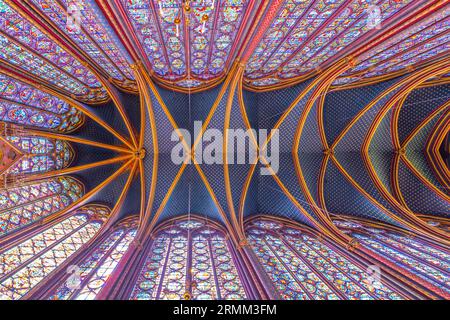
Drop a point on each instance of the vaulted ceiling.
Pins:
(362, 106)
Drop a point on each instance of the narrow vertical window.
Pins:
(189, 260)
(26, 264)
(302, 267)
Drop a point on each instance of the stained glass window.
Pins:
(423, 259)
(20, 206)
(212, 40)
(302, 267)
(25, 46)
(288, 33)
(40, 154)
(189, 259)
(422, 41)
(144, 23)
(213, 28)
(99, 265)
(309, 35)
(93, 35)
(24, 105)
(352, 23)
(24, 265)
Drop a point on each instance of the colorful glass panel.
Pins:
(301, 267)
(188, 259)
(26, 105)
(142, 16)
(22, 115)
(338, 35)
(21, 206)
(396, 53)
(25, 46)
(97, 268)
(420, 32)
(163, 33)
(306, 35)
(173, 35)
(418, 257)
(290, 30)
(419, 265)
(26, 264)
(40, 154)
(19, 92)
(212, 38)
(94, 36)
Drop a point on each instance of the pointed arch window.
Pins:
(93, 35)
(27, 263)
(20, 206)
(40, 154)
(289, 49)
(98, 266)
(302, 267)
(189, 260)
(25, 105)
(423, 259)
(24, 46)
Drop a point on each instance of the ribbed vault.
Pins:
(363, 134)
